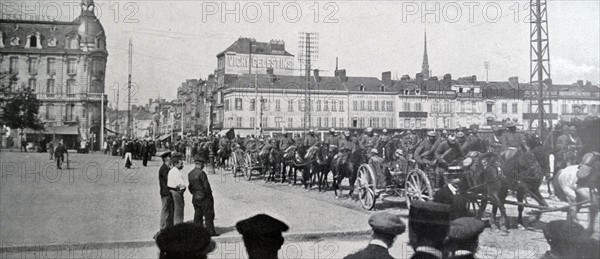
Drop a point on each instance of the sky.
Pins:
(178, 40)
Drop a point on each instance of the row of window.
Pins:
(375, 122)
(580, 108)
(372, 105)
(35, 41)
(278, 122)
(318, 105)
(413, 123)
(51, 88)
(52, 110)
(32, 64)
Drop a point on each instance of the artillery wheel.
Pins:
(247, 170)
(417, 187)
(234, 164)
(365, 184)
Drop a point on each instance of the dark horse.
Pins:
(522, 172)
(270, 160)
(223, 154)
(321, 165)
(346, 166)
(293, 160)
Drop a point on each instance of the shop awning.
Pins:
(58, 130)
(163, 137)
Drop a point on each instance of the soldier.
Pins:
(424, 155)
(285, 142)
(202, 198)
(461, 138)
(311, 139)
(346, 146)
(511, 140)
(368, 141)
(298, 140)
(262, 236)
(386, 227)
(332, 140)
(397, 166)
(185, 240)
(568, 144)
(410, 141)
(447, 153)
(473, 141)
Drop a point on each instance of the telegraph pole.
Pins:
(539, 68)
(129, 91)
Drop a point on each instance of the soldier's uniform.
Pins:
(298, 140)
(368, 142)
(333, 141)
(310, 140)
(424, 150)
(285, 142)
(511, 139)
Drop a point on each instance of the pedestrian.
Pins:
(183, 241)
(167, 209)
(428, 224)
(23, 145)
(177, 185)
(386, 227)
(463, 235)
(144, 152)
(202, 198)
(262, 236)
(50, 148)
(105, 147)
(128, 151)
(59, 154)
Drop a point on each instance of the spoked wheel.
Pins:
(365, 184)
(248, 165)
(234, 164)
(417, 187)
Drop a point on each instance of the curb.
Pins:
(296, 237)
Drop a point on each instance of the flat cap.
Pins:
(563, 231)
(429, 213)
(166, 154)
(431, 133)
(199, 158)
(460, 134)
(261, 225)
(184, 239)
(465, 228)
(177, 155)
(388, 223)
(510, 124)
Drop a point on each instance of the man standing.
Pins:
(50, 148)
(202, 198)
(59, 154)
(128, 153)
(166, 213)
(177, 185)
(386, 227)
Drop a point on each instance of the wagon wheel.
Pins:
(248, 166)
(366, 182)
(417, 187)
(234, 166)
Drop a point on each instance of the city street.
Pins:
(98, 202)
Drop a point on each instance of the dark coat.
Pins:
(371, 252)
(423, 255)
(199, 186)
(163, 174)
(458, 204)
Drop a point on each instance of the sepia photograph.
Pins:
(191, 129)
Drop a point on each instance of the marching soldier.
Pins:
(332, 140)
(424, 155)
(311, 139)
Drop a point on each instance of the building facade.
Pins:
(65, 62)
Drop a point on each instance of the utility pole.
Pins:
(117, 118)
(102, 120)
(539, 68)
(486, 65)
(308, 49)
(129, 91)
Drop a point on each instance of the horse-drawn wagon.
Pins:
(245, 163)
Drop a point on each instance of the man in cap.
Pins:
(202, 198)
(424, 155)
(567, 239)
(183, 241)
(398, 165)
(386, 227)
(463, 235)
(461, 138)
(368, 140)
(298, 140)
(563, 143)
(332, 140)
(428, 225)
(311, 139)
(511, 140)
(382, 142)
(495, 139)
(262, 236)
(59, 154)
(285, 141)
(346, 147)
(447, 153)
(167, 209)
(473, 141)
(177, 185)
(376, 161)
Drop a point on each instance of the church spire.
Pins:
(425, 66)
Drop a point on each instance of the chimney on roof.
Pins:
(386, 77)
(419, 79)
(580, 82)
(447, 79)
(317, 76)
(341, 74)
(405, 78)
(270, 74)
(433, 78)
(513, 81)
(211, 77)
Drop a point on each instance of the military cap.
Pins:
(387, 223)
(429, 213)
(444, 132)
(451, 138)
(460, 134)
(465, 228)
(332, 130)
(261, 225)
(166, 154)
(431, 133)
(347, 133)
(510, 124)
(184, 240)
(311, 130)
(369, 129)
(374, 151)
(384, 131)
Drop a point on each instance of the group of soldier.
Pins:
(129, 149)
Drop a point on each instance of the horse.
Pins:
(321, 166)
(270, 159)
(567, 190)
(346, 166)
(223, 154)
(294, 160)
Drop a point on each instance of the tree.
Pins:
(20, 110)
